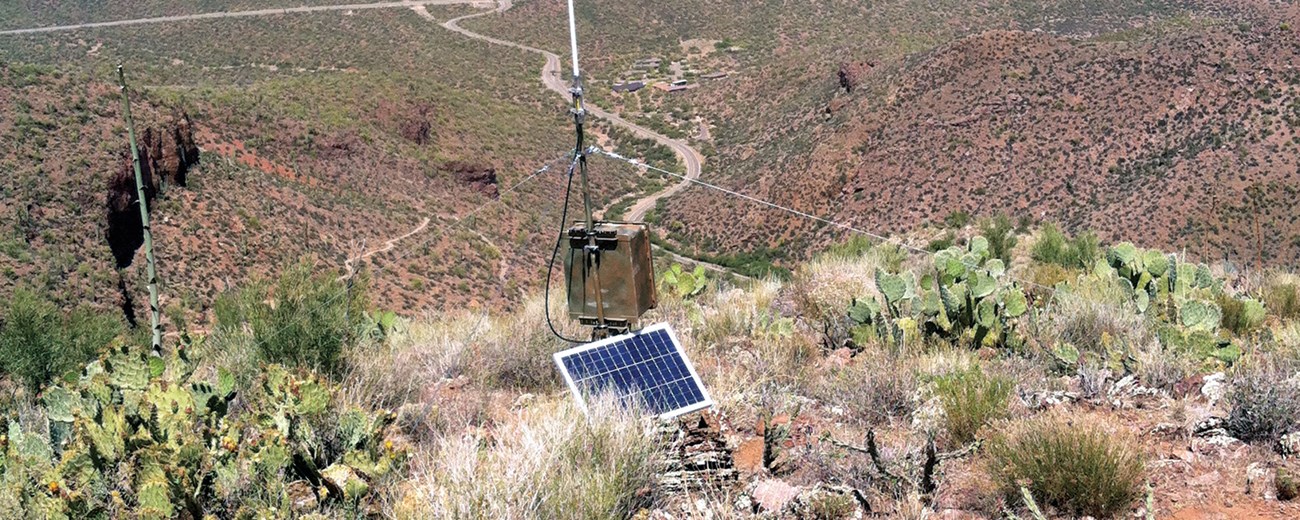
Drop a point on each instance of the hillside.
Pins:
(1169, 121)
(323, 136)
(1184, 136)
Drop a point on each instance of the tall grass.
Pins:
(549, 462)
(1079, 467)
(970, 400)
(1098, 317)
(1001, 235)
(1282, 296)
(304, 319)
(495, 352)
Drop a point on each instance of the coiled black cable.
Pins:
(550, 269)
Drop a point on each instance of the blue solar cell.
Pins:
(648, 366)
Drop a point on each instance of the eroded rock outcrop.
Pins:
(480, 178)
(166, 155)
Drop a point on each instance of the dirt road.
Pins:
(236, 14)
(554, 80)
(348, 265)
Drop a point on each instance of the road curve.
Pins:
(236, 14)
(554, 81)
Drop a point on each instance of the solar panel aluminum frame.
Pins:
(706, 402)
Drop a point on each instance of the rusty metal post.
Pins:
(154, 311)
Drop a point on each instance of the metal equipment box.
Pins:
(624, 269)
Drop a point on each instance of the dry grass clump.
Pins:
(1098, 319)
(871, 389)
(736, 313)
(824, 288)
(549, 462)
(1265, 399)
(497, 352)
(1282, 295)
(970, 400)
(1078, 467)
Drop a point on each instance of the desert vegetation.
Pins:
(1084, 308)
(868, 379)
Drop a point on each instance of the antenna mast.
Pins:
(144, 216)
(591, 252)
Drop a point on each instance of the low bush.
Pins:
(1076, 468)
(303, 320)
(944, 242)
(39, 343)
(1001, 236)
(831, 506)
(873, 388)
(1265, 400)
(971, 399)
(1054, 247)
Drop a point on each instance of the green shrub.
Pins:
(944, 242)
(304, 320)
(856, 246)
(971, 399)
(38, 342)
(1242, 317)
(1054, 247)
(957, 219)
(1283, 300)
(1001, 236)
(1265, 400)
(1079, 469)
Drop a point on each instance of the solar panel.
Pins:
(647, 366)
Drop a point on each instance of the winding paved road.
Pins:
(555, 81)
(237, 14)
(552, 78)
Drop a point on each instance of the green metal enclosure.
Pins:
(623, 273)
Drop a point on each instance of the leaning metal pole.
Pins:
(144, 217)
(592, 251)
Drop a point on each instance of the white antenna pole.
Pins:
(573, 39)
(591, 253)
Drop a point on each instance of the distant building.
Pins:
(674, 87)
(630, 86)
(647, 63)
(714, 75)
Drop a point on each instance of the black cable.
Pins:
(550, 269)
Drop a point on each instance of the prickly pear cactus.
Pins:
(965, 300)
(181, 448)
(1200, 316)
